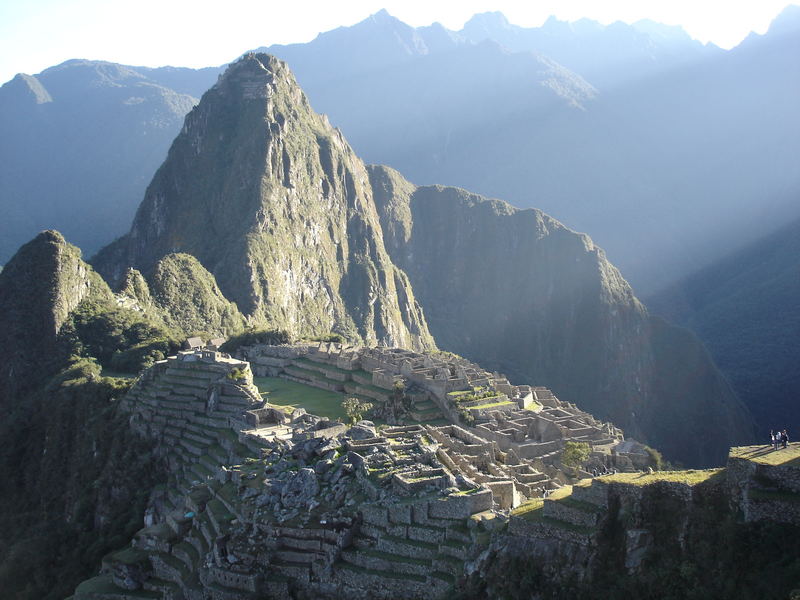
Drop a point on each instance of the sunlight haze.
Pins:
(38, 34)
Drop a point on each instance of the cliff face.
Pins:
(720, 533)
(75, 478)
(275, 204)
(517, 291)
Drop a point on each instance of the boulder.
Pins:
(300, 489)
(363, 430)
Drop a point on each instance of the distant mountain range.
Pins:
(667, 157)
(666, 151)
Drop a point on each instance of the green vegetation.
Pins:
(119, 338)
(575, 454)
(765, 455)
(355, 408)
(478, 393)
(329, 337)
(526, 508)
(491, 405)
(65, 448)
(290, 394)
(189, 298)
(238, 374)
(252, 336)
(466, 416)
(689, 477)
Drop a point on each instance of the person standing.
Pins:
(773, 439)
(784, 438)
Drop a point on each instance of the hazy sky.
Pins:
(35, 34)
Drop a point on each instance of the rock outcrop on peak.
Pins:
(39, 287)
(519, 292)
(275, 204)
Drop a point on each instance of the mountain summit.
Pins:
(273, 201)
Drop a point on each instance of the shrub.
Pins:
(355, 409)
(238, 374)
(329, 337)
(102, 330)
(144, 355)
(251, 337)
(575, 454)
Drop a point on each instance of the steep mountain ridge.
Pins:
(275, 204)
(655, 168)
(607, 55)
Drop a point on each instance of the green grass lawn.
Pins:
(765, 455)
(689, 477)
(291, 394)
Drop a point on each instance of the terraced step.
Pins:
(454, 549)
(570, 510)
(299, 556)
(447, 578)
(162, 587)
(458, 533)
(293, 570)
(186, 553)
(102, 588)
(362, 542)
(379, 574)
(403, 547)
(384, 561)
(449, 564)
(169, 567)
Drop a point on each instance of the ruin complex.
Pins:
(261, 501)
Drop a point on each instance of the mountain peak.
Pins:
(28, 88)
(272, 201)
(489, 19)
(787, 22)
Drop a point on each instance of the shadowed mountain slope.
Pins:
(746, 308)
(519, 292)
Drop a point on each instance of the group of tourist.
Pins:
(779, 438)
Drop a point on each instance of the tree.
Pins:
(355, 408)
(575, 453)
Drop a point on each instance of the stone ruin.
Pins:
(444, 388)
(263, 503)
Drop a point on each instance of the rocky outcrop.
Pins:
(39, 287)
(517, 291)
(275, 204)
